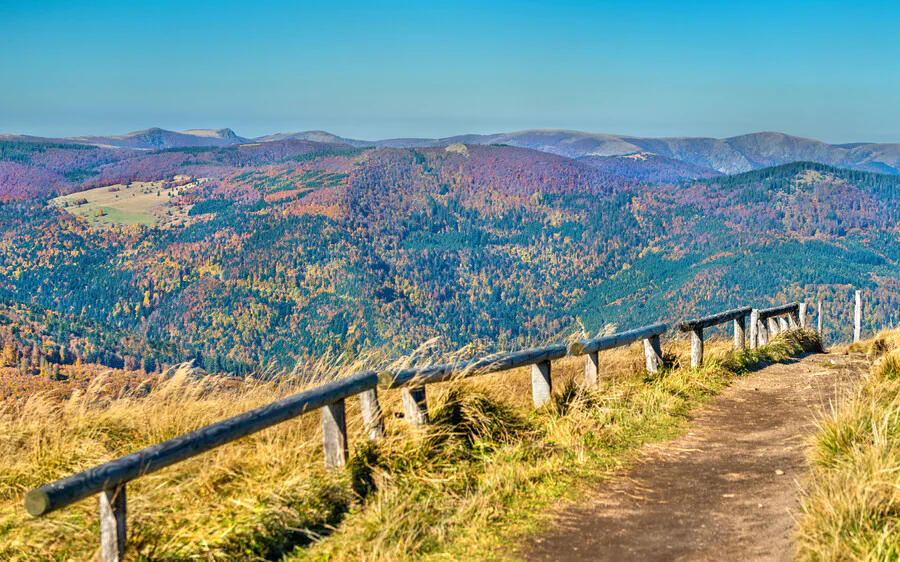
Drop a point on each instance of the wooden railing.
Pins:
(764, 324)
(696, 327)
(109, 480)
(590, 348)
(768, 322)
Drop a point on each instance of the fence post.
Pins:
(773, 327)
(415, 405)
(762, 334)
(592, 368)
(373, 421)
(754, 328)
(819, 320)
(783, 324)
(334, 435)
(739, 333)
(112, 524)
(541, 384)
(653, 354)
(697, 347)
(857, 318)
(793, 320)
(804, 315)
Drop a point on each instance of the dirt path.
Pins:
(727, 490)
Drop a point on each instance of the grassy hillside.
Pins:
(147, 203)
(470, 483)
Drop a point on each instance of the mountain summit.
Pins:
(156, 138)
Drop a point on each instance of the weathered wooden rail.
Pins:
(766, 323)
(591, 348)
(412, 381)
(696, 327)
(109, 480)
(116, 473)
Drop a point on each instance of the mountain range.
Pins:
(284, 250)
(691, 157)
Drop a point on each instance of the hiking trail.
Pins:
(728, 489)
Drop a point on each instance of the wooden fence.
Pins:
(779, 318)
(109, 480)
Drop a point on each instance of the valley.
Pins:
(291, 249)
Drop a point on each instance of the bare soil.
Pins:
(726, 490)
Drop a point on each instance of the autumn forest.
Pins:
(249, 258)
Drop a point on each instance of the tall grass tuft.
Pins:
(852, 509)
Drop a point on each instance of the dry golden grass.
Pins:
(136, 203)
(852, 510)
(199, 501)
(466, 485)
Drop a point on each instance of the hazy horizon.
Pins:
(436, 137)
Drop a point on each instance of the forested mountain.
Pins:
(650, 167)
(35, 339)
(293, 248)
(31, 169)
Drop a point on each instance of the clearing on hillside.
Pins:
(150, 203)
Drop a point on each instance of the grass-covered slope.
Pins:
(852, 510)
(466, 487)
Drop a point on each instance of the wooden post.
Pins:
(857, 318)
(697, 347)
(334, 435)
(804, 315)
(739, 333)
(373, 421)
(414, 405)
(783, 324)
(112, 524)
(754, 329)
(773, 327)
(653, 354)
(793, 320)
(541, 384)
(592, 369)
(819, 317)
(762, 333)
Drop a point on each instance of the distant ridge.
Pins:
(315, 136)
(156, 138)
(728, 156)
(692, 156)
(149, 139)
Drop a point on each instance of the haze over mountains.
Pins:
(692, 157)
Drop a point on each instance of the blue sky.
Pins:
(827, 70)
